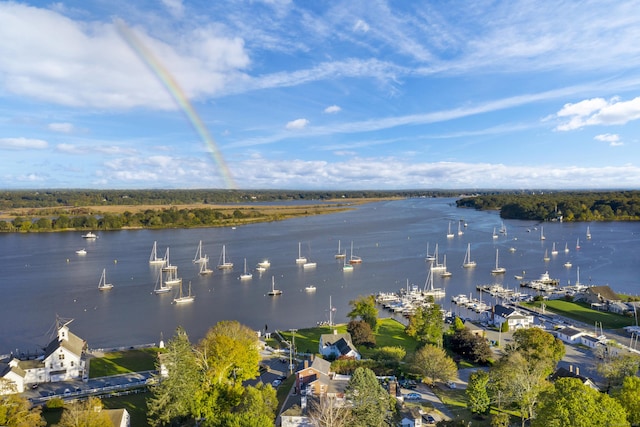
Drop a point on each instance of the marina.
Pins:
(42, 272)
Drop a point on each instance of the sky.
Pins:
(320, 95)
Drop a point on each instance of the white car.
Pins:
(276, 383)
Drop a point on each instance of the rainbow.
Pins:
(176, 92)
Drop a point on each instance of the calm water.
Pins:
(37, 282)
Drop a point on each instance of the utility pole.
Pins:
(292, 350)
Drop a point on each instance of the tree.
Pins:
(364, 307)
(173, 396)
(432, 363)
(85, 414)
(616, 368)
(16, 411)
(478, 398)
(470, 346)
(361, 333)
(256, 409)
(629, 398)
(371, 403)
(535, 344)
(500, 419)
(426, 325)
(389, 353)
(325, 411)
(570, 403)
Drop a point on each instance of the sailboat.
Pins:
(460, 232)
(429, 290)
(554, 251)
(498, 270)
(167, 264)
(445, 273)
(435, 265)
(181, 298)
(224, 264)
(172, 278)
(274, 292)
(347, 267)
(430, 257)
(309, 264)
(542, 233)
(199, 257)
(82, 251)
(468, 263)
(153, 257)
(495, 236)
(566, 248)
(103, 285)
(160, 287)
(300, 259)
(310, 288)
(546, 255)
(588, 233)
(245, 275)
(449, 233)
(354, 259)
(204, 267)
(340, 254)
(578, 243)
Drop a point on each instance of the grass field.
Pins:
(583, 313)
(390, 333)
(122, 362)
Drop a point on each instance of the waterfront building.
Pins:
(336, 345)
(515, 318)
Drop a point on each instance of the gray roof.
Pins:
(503, 311)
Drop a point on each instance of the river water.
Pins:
(42, 276)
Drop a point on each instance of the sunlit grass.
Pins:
(123, 362)
(584, 313)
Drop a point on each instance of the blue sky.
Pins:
(320, 95)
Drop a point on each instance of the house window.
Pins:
(62, 364)
(61, 356)
(72, 363)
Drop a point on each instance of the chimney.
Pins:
(306, 364)
(577, 370)
(335, 332)
(571, 368)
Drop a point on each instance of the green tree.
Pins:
(16, 411)
(615, 368)
(504, 327)
(426, 325)
(390, 353)
(85, 414)
(569, 403)
(477, 395)
(364, 307)
(537, 345)
(432, 363)
(256, 409)
(172, 399)
(371, 403)
(500, 419)
(629, 398)
(361, 333)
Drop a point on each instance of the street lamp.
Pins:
(292, 349)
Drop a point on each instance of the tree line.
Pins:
(566, 206)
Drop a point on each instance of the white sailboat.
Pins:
(340, 254)
(274, 292)
(153, 257)
(429, 290)
(160, 287)
(103, 285)
(346, 267)
(445, 273)
(495, 236)
(310, 288)
(449, 233)
(245, 275)
(468, 263)
(171, 278)
(430, 257)
(354, 259)
(578, 243)
(460, 232)
(309, 264)
(588, 233)
(300, 259)
(224, 264)
(167, 263)
(199, 258)
(542, 233)
(554, 251)
(435, 265)
(546, 255)
(181, 298)
(498, 270)
(566, 248)
(204, 267)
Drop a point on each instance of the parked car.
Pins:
(413, 396)
(430, 419)
(451, 384)
(276, 383)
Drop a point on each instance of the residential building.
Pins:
(515, 318)
(337, 345)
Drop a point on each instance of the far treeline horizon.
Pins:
(57, 210)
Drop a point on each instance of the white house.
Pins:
(570, 335)
(515, 318)
(119, 417)
(337, 345)
(11, 377)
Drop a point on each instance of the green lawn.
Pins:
(456, 402)
(122, 362)
(390, 333)
(583, 313)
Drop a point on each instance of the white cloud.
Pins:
(176, 8)
(597, 111)
(22, 144)
(297, 124)
(61, 127)
(360, 26)
(612, 139)
(332, 109)
(84, 149)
